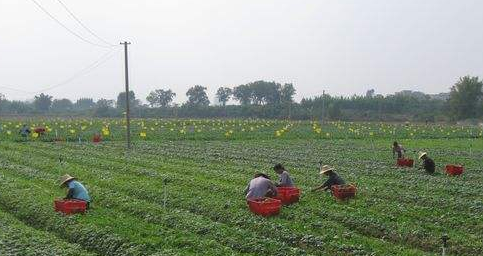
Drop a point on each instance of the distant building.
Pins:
(440, 96)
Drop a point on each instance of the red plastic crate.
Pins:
(96, 139)
(453, 170)
(343, 192)
(265, 206)
(405, 162)
(39, 130)
(288, 195)
(70, 206)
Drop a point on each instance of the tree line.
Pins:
(262, 99)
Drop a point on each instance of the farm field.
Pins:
(180, 190)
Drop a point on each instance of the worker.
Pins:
(24, 131)
(76, 189)
(334, 178)
(260, 186)
(397, 148)
(285, 179)
(428, 163)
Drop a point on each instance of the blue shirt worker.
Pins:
(285, 179)
(24, 131)
(334, 178)
(76, 189)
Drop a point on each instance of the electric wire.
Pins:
(89, 68)
(65, 27)
(11, 88)
(82, 24)
(107, 56)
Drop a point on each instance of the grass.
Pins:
(397, 211)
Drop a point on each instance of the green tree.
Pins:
(334, 112)
(197, 96)
(160, 98)
(20, 107)
(62, 105)
(103, 107)
(121, 100)
(3, 102)
(223, 95)
(42, 102)
(464, 98)
(84, 103)
(286, 93)
(243, 94)
(265, 92)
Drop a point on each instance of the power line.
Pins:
(66, 28)
(13, 89)
(83, 25)
(105, 57)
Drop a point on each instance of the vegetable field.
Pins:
(180, 190)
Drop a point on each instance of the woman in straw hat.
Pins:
(428, 163)
(76, 189)
(334, 178)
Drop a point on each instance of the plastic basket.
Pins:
(39, 130)
(288, 195)
(96, 139)
(70, 206)
(404, 162)
(265, 206)
(343, 192)
(453, 170)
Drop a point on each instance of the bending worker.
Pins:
(285, 179)
(76, 189)
(334, 178)
(260, 186)
(24, 131)
(397, 148)
(428, 163)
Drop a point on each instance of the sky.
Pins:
(342, 47)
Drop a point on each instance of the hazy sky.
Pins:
(341, 46)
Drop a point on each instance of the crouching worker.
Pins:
(398, 149)
(428, 163)
(334, 178)
(76, 189)
(285, 179)
(260, 186)
(24, 131)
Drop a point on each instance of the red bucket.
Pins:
(97, 138)
(70, 206)
(404, 162)
(265, 206)
(288, 195)
(453, 170)
(39, 130)
(343, 192)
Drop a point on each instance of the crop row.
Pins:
(218, 213)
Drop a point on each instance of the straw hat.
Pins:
(421, 154)
(65, 178)
(326, 168)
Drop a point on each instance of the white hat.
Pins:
(421, 154)
(65, 178)
(326, 168)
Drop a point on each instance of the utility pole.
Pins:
(128, 113)
(323, 106)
